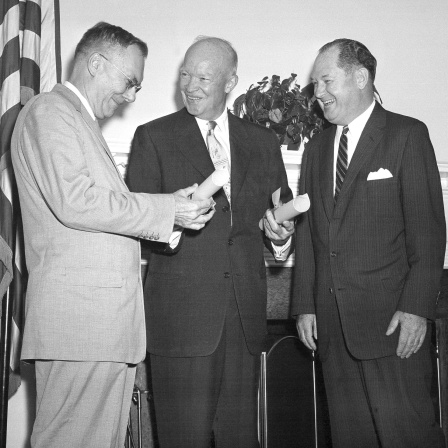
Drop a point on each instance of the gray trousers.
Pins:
(82, 404)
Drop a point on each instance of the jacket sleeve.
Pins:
(424, 222)
(277, 177)
(144, 175)
(58, 152)
(302, 298)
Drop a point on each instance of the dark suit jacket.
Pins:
(381, 247)
(187, 292)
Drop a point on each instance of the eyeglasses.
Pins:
(130, 83)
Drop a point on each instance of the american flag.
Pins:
(29, 64)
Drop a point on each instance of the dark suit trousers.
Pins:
(382, 402)
(197, 395)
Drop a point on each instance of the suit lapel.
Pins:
(369, 140)
(90, 122)
(240, 149)
(326, 161)
(190, 143)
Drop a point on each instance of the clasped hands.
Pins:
(191, 214)
(277, 233)
(412, 331)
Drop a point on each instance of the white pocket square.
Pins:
(380, 174)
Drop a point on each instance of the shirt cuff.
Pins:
(281, 253)
(174, 239)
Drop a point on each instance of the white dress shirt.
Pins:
(355, 129)
(70, 86)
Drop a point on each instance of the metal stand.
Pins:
(262, 397)
(5, 353)
(263, 405)
(136, 399)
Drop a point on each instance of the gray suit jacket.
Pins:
(81, 225)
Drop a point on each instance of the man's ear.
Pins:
(231, 83)
(94, 63)
(362, 77)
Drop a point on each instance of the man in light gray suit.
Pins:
(85, 324)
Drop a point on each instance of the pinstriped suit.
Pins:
(378, 250)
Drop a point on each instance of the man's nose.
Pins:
(319, 89)
(192, 84)
(130, 95)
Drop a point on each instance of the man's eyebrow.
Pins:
(314, 78)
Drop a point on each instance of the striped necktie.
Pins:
(218, 154)
(341, 163)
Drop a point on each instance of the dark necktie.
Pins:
(218, 154)
(341, 163)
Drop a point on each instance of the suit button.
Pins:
(330, 290)
(226, 274)
(333, 254)
(230, 242)
(226, 208)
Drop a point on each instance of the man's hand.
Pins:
(412, 332)
(277, 233)
(192, 214)
(307, 330)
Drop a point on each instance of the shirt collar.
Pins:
(83, 100)
(221, 122)
(357, 125)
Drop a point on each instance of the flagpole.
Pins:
(5, 353)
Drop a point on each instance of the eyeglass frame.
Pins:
(131, 84)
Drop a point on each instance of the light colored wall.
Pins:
(408, 38)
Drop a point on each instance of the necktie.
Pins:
(341, 162)
(218, 154)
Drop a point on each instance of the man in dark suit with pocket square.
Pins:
(369, 258)
(205, 293)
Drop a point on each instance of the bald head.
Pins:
(207, 75)
(219, 48)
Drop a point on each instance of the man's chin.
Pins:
(192, 109)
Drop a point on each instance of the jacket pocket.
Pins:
(394, 283)
(101, 278)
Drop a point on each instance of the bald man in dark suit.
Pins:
(206, 296)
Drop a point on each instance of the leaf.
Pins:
(275, 115)
(238, 105)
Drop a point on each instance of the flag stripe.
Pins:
(30, 17)
(10, 25)
(31, 46)
(29, 79)
(12, 82)
(7, 4)
(11, 54)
